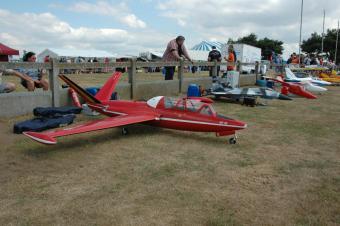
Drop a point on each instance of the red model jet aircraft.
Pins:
(294, 88)
(190, 114)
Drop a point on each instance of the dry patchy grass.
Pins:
(284, 171)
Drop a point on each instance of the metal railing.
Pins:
(54, 67)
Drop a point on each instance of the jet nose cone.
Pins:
(284, 97)
(239, 124)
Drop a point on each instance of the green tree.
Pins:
(250, 39)
(230, 41)
(313, 44)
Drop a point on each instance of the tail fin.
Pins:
(83, 93)
(105, 92)
(279, 78)
(289, 73)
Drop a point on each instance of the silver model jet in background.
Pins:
(247, 96)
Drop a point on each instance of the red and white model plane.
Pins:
(294, 88)
(190, 114)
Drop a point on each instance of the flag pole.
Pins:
(323, 30)
(300, 32)
(336, 44)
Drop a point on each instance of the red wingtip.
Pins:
(40, 137)
(311, 96)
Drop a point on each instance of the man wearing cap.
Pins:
(175, 51)
(214, 54)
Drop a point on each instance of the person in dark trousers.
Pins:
(175, 51)
(214, 54)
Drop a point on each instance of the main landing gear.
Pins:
(125, 131)
(233, 140)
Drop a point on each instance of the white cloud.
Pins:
(278, 19)
(132, 21)
(120, 11)
(36, 32)
(198, 19)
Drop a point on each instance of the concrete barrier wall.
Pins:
(123, 90)
(15, 104)
(146, 90)
(247, 79)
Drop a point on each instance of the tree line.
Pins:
(312, 45)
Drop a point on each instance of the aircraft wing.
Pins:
(219, 93)
(275, 80)
(237, 92)
(49, 136)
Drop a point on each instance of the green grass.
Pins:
(284, 171)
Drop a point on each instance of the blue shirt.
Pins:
(34, 74)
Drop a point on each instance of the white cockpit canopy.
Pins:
(181, 104)
(153, 102)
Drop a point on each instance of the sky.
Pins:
(129, 27)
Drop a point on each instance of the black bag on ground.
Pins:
(40, 124)
(55, 111)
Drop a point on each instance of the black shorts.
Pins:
(36, 84)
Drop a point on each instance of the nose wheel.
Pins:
(233, 140)
(125, 131)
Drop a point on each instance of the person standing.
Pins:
(289, 61)
(231, 58)
(175, 51)
(307, 60)
(295, 59)
(320, 61)
(47, 59)
(214, 54)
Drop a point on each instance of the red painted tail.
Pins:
(106, 91)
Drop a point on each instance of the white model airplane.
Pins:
(309, 83)
(291, 77)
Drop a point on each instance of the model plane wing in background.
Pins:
(294, 88)
(49, 136)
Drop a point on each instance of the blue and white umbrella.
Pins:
(207, 46)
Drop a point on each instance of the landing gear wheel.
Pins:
(125, 131)
(249, 101)
(232, 140)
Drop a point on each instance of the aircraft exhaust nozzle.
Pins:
(284, 97)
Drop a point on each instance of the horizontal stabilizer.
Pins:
(41, 137)
(49, 136)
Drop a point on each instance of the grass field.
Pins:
(285, 170)
(99, 79)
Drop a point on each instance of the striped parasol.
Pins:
(207, 46)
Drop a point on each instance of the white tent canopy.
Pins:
(56, 53)
(46, 52)
(207, 46)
